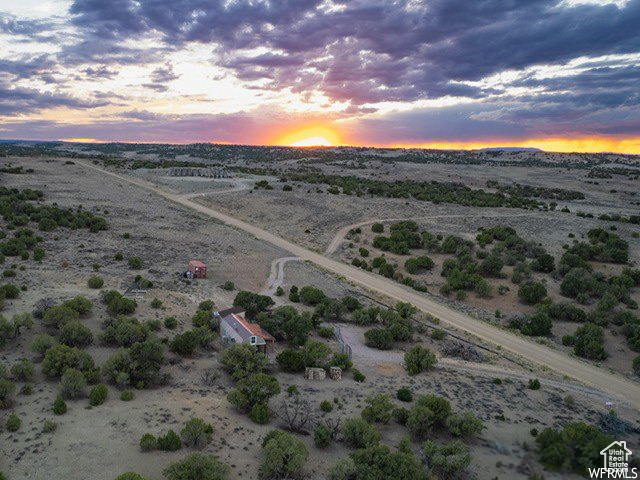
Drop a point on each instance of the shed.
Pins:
(197, 269)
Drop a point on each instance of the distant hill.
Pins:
(509, 149)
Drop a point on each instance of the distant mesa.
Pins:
(509, 149)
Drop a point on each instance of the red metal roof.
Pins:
(196, 263)
(255, 329)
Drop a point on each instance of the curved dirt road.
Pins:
(276, 278)
(612, 383)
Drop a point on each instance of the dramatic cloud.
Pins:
(392, 71)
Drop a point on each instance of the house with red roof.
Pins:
(234, 327)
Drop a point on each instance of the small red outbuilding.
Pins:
(197, 269)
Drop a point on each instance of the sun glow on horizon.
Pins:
(310, 137)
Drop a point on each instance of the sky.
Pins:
(561, 75)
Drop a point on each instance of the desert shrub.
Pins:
(23, 371)
(447, 461)
(377, 228)
(127, 395)
(491, 266)
(49, 426)
(404, 394)
(75, 334)
(538, 324)
(57, 316)
(378, 409)
(95, 282)
(98, 395)
(148, 442)
(290, 360)
(124, 331)
(135, 263)
(414, 265)
(285, 323)
(357, 433)
(130, 476)
(322, 436)
(283, 456)
(259, 414)
(311, 295)
(589, 342)
(117, 304)
(170, 442)
(465, 425)
(80, 304)
(242, 361)
(566, 311)
(358, 376)
(185, 344)
(9, 291)
(534, 384)
(419, 359)
(341, 360)
(401, 415)
(252, 303)
(380, 338)
(60, 357)
(59, 406)
(379, 462)
(544, 263)
(7, 388)
(26, 389)
(38, 254)
(196, 433)
(13, 423)
(255, 389)
(138, 365)
(228, 285)
(420, 421)
(575, 448)
(325, 332)
(532, 292)
(326, 406)
(171, 323)
(315, 354)
(73, 384)
(197, 466)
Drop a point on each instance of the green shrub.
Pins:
(283, 456)
(156, 303)
(171, 323)
(59, 406)
(446, 461)
(404, 394)
(196, 433)
(148, 442)
(98, 395)
(419, 359)
(185, 344)
(259, 414)
(532, 292)
(357, 433)
(127, 395)
(60, 357)
(322, 436)
(170, 442)
(57, 316)
(95, 282)
(197, 466)
(228, 285)
(377, 228)
(73, 384)
(41, 343)
(465, 425)
(378, 409)
(534, 384)
(135, 263)
(7, 388)
(13, 423)
(358, 376)
(23, 371)
(241, 361)
(326, 406)
(49, 426)
(75, 334)
(130, 476)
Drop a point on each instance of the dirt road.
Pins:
(610, 383)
